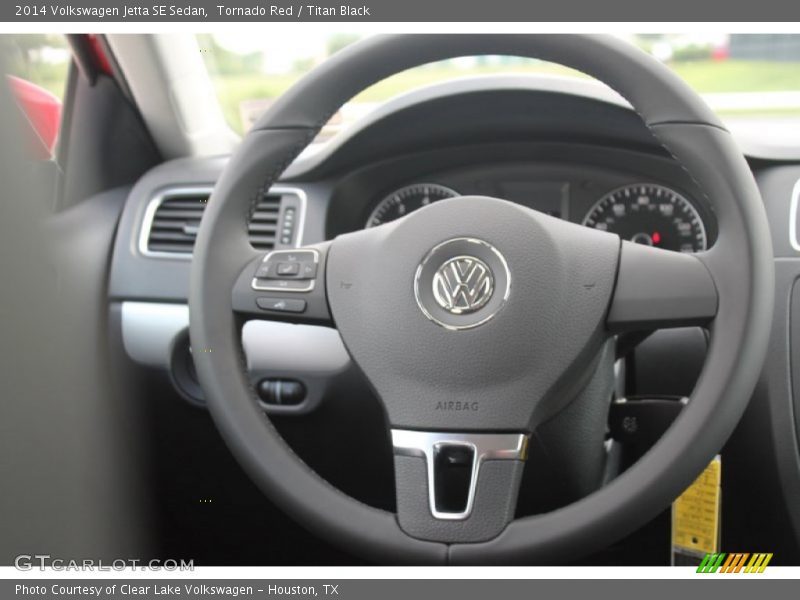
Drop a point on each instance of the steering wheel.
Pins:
(475, 320)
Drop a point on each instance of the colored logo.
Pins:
(735, 562)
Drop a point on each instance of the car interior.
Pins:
(211, 341)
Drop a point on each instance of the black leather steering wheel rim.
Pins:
(740, 263)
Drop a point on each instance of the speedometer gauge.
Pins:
(650, 214)
(405, 200)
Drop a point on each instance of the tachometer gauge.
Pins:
(646, 213)
(408, 199)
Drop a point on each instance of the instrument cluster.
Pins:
(646, 212)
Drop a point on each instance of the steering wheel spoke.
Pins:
(285, 285)
(657, 289)
(457, 487)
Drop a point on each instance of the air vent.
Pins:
(175, 223)
(264, 223)
(172, 220)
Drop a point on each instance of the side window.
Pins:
(36, 71)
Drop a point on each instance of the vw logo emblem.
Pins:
(463, 284)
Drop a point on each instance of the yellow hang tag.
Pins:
(696, 514)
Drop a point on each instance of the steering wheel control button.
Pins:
(291, 285)
(308, 270)
(287, 271)
(288, 305)
(462, 283)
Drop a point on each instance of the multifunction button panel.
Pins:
(287, 271)
(286, 282)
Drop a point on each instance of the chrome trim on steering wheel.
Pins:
(485, 446)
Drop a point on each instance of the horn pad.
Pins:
(468, 314)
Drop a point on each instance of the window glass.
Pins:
(751, 80)
(36, 69)
(40, 59)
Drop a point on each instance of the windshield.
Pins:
(751, 80)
